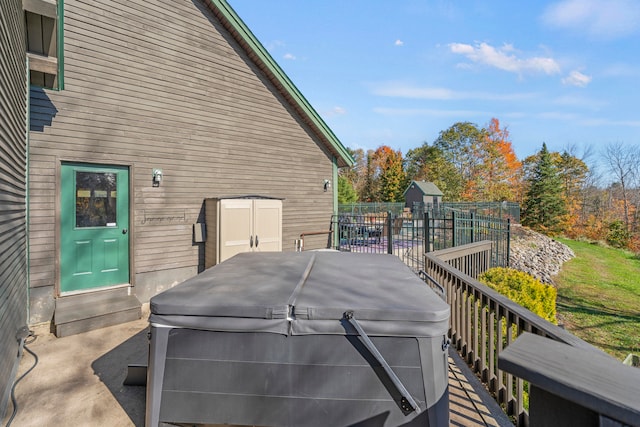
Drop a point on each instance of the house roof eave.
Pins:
(425, 188)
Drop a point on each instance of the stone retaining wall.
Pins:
(537, 254)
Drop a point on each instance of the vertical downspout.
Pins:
(26, 190)
(60, 44)
(334, 180)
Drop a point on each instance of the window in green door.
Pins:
(96, 199)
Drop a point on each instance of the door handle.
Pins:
(257, 242)
(251, 241)
(124, 231)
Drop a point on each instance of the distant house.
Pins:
(423, 192)
(139, 111)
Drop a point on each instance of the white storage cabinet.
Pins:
(243, 224)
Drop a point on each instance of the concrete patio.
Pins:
(78, 381)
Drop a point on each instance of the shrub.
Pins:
(634, 244)
(524, 289)
(617, 235)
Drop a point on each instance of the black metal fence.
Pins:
(410, 236)
(364, 208)
(451, 229)
(502, 210)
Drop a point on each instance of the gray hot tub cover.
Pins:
(305, 293)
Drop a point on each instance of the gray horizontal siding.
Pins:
(13, 266)
(163, 85)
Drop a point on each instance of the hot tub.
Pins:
(299, 339)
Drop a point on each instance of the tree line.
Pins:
(559, 192)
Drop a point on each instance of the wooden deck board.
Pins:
(469, 403)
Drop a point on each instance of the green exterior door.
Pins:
(94, 226)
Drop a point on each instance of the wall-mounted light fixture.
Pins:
(157, 177)
(327, 185)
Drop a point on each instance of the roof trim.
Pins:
(425, 188)
(265, 61)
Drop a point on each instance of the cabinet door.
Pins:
(236, 227)
(267, 225)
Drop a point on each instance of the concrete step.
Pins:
(85, 312)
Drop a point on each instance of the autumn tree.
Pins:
(622, 162)
(544, 206)
(459, 144)
(428, 163)
(573, 172)
(496, 175)
(419, 162)
(487, 167)
(391, 174)
(371, 189)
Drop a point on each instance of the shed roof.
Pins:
(239, 30)
(427, 188)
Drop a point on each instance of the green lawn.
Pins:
(599, 297)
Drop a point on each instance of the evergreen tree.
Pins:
(371, 187)
(346, 192)
(544, 207)
(393, 178)
(356, 175)
(387, 173)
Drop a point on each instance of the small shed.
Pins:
(422, 192)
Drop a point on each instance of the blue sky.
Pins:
(398, 72)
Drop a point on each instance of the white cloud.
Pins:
(609, 122)
(504, 58)
(556, 115)
(607, 19)
(404, 90)
(289, 56)
(275, 44)
(576, 78)
(399, 43)
(383, 134)
(621, 70)
(580, 101)
(426, 112)
(401, 90)
(336, 111)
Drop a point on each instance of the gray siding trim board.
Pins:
(13, 231)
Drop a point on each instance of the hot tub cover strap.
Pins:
(407, 402)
